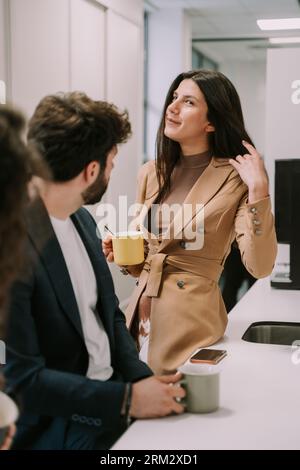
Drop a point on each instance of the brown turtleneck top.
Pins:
(184, 176)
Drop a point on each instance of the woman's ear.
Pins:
(210, 128)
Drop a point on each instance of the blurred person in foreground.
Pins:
(71, 358)
(14, 175)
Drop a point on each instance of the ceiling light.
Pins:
(284, 40)
(283, 23)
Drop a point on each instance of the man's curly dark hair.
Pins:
(14, 175)
(69, 130)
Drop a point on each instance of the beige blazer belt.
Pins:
(155, 263)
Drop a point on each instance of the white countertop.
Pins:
(259, 395)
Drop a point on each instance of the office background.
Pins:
(129, 51)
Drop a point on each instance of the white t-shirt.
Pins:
(85, 289)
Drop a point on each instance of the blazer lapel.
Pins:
(205, 188)
(43, 237)
(142, 219)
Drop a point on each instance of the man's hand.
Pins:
(8, 438)
(108, 249)
(156, 396)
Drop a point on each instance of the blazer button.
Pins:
(188, 245)
(180, 284)
(124, 271)
(182, 244)
(258, 232)
(253, 210)
(256, 222)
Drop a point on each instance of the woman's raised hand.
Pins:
(251, 169)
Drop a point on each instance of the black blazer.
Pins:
(47, 359)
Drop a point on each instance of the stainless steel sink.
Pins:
(272, 332)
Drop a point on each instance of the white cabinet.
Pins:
(56, 45)
(62, 45)
(125, 89)
(2, 41)
(39, 50)
(88, 48)
(87, 45)
(129, 9)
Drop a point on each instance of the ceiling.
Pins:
(231, 25)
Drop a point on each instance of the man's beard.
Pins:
(94, 193)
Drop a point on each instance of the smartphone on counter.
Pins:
(208, 356)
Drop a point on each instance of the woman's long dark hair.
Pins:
(224, 113)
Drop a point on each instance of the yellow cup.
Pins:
(128, 248)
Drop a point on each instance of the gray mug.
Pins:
(202, 385)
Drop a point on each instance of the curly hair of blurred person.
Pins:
(14, 175)
(18, 163)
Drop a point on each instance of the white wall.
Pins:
(249, 78)
(169, 54)
(282, 115)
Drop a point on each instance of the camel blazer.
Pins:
(187, 309)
